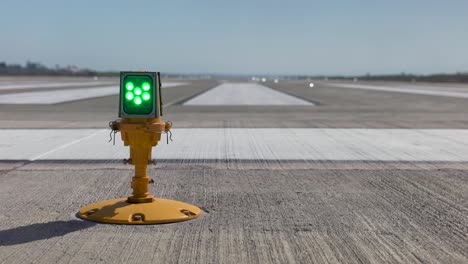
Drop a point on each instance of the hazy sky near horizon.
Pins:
(239, 37)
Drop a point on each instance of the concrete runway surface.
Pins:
(411, 89)
(307, 144)
(245, 94)
(356, 175)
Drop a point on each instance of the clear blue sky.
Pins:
(269, 37)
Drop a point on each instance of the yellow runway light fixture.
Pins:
(140, 108)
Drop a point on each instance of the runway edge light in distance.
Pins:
(141, 126)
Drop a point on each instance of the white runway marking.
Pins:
(245, 144)
(76, 141)
(57, 96)
(28, 144)
(410, 89)
(172, 84)
(62, 96)
(51, 85)
(245, 94)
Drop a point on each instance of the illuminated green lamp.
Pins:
(139, 94)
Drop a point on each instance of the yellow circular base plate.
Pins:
(119, 211)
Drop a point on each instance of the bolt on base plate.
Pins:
(119, 211)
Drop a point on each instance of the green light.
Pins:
(137, 91)
(146, 96)
(138, 95)
(129, 86)
(137, 100)
(129, 96)
(146, 86)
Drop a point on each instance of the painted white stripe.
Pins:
(65, 145)
(57, 96)
(405, 89)
(246, 144)
(27, 144)
(52, 85)
(68, 84)
(172, 84)
(62, 96)
(244, 94)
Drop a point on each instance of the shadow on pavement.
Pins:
(34, 232)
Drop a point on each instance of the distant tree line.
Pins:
(34, 68)
(402, 77)
(38, 69)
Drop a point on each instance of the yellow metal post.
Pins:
(141, 134)
(141, 142)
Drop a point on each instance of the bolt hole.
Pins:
(90, 212)
(138, 217)
(187, 212)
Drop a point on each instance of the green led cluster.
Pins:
(137, 94)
